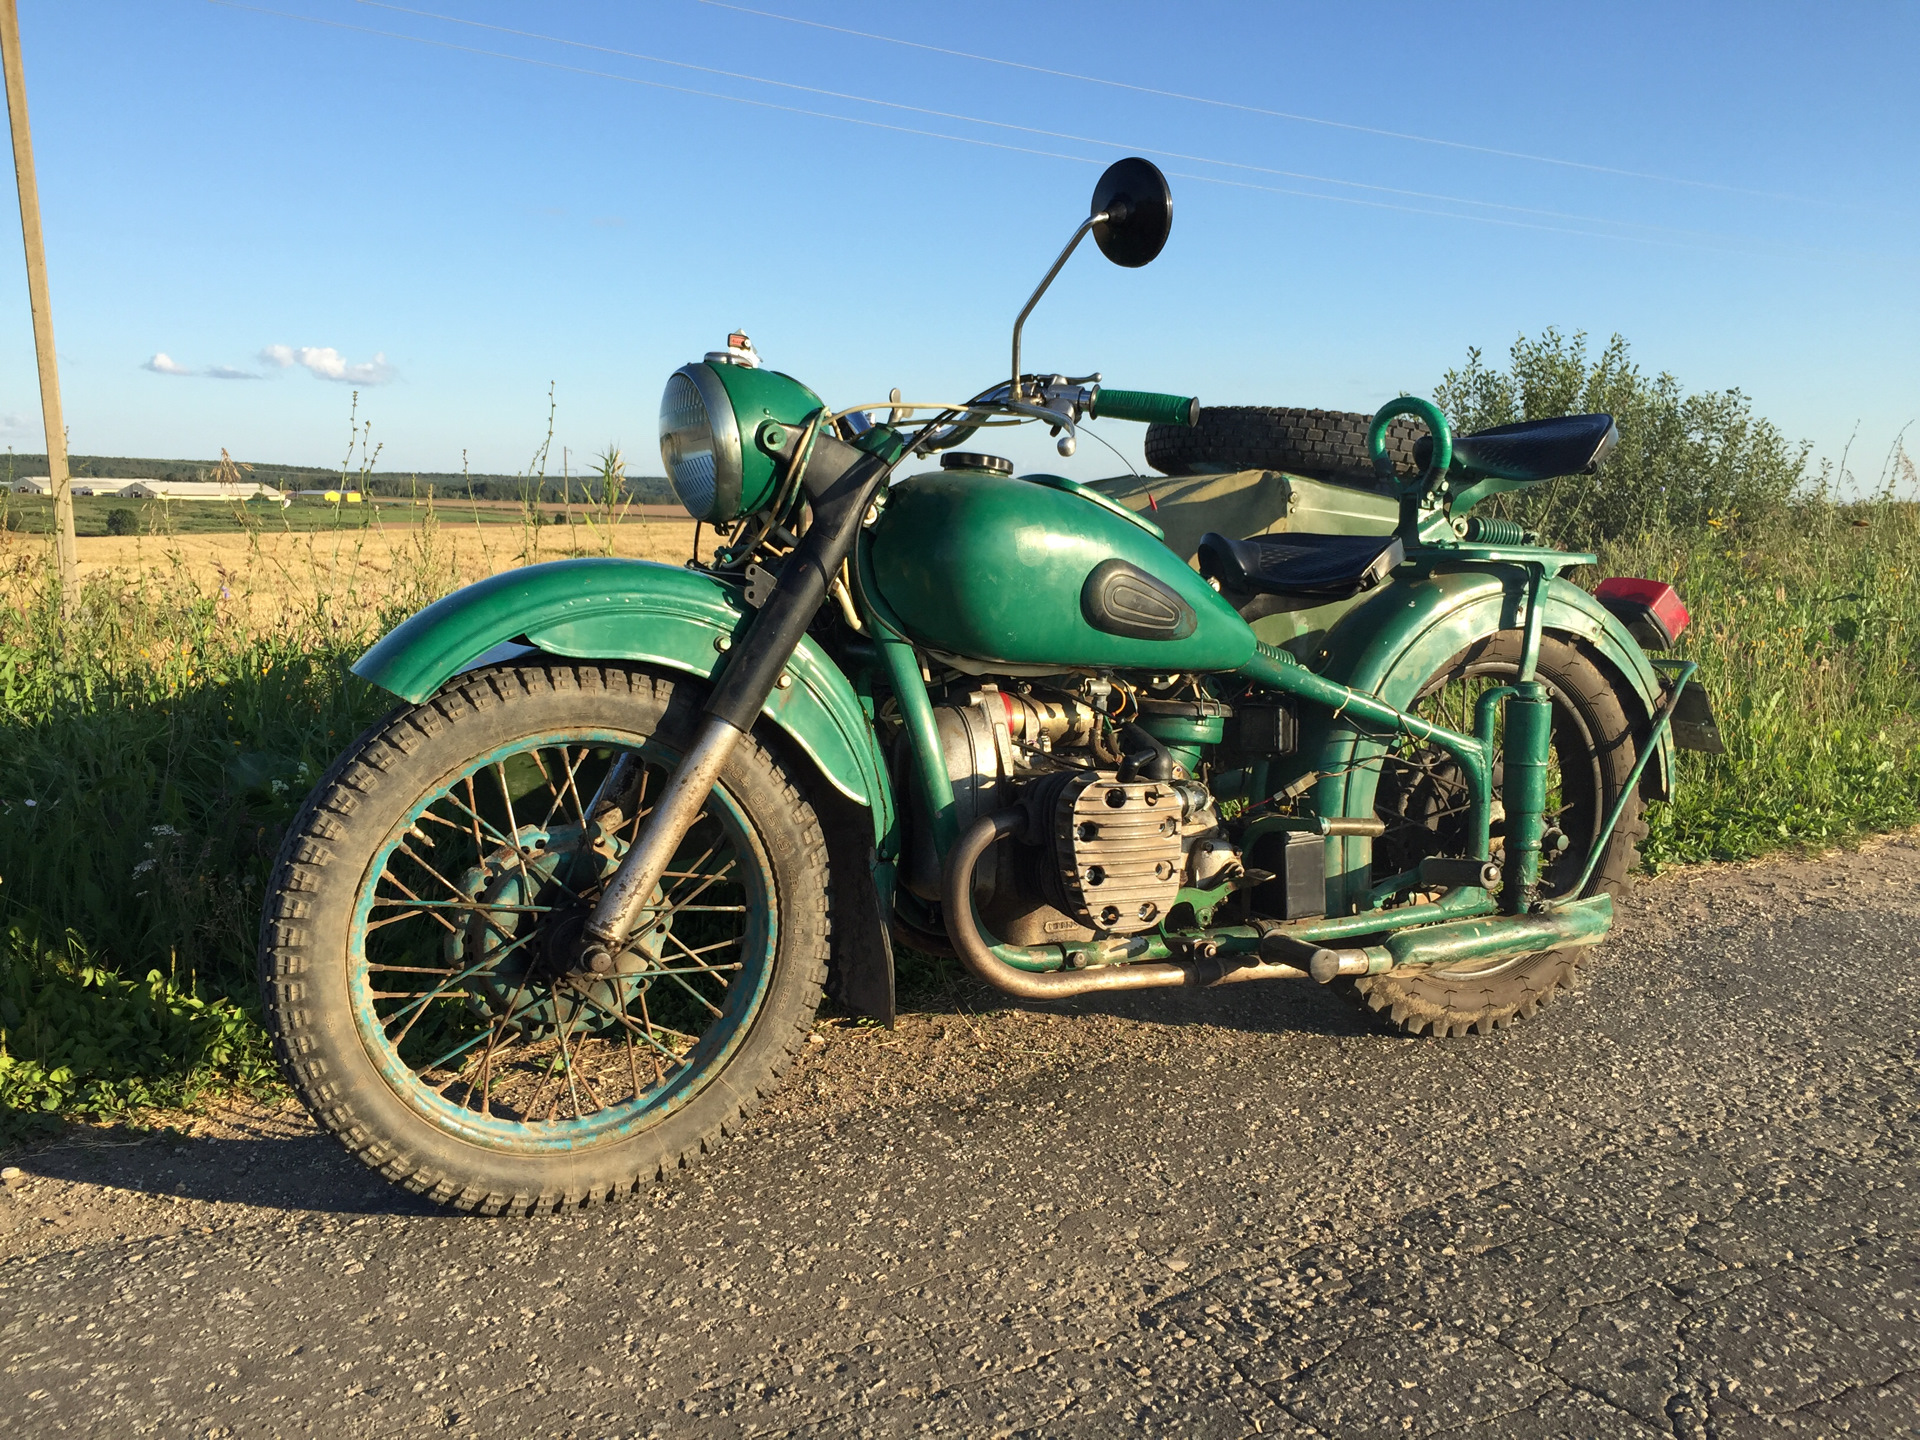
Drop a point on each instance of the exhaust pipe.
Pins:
(975, 954)
(1490, 939)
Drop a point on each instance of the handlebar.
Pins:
(1145, 406)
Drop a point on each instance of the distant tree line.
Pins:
(640, 489)
(552, 490)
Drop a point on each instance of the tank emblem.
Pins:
(1122, 599)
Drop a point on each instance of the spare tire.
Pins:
(1321, 444)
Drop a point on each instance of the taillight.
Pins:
(1652, 612)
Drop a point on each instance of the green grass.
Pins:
(1807, 630)
(86, 1041)
(159, 744)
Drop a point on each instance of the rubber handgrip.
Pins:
(1146, 406)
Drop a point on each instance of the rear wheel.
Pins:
(419, 942)
(1423, 800)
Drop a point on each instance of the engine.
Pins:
(1116, 822)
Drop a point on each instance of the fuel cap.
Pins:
(971, 460)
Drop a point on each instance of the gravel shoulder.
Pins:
(1681, 1202)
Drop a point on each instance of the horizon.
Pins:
(449, 217)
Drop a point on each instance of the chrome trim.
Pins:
(726, 440)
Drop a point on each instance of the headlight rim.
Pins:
(724, 427)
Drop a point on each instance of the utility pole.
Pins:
(42, 305)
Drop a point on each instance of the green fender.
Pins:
(661, 615)
(1393, 642)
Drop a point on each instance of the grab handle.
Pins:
(1429, 414)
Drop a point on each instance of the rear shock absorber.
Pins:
(1529, 733)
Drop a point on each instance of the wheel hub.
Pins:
(533, 915)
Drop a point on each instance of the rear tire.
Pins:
(1319, 444)
(1594, 746)
(511, 1084)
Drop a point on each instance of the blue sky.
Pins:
(1734, 188)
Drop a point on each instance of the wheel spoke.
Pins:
(679, 979)
(418, 1007)
(573, 783)
(483, 905)
(497, 1029)
(646, 1034)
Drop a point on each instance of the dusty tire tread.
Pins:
(301, 873)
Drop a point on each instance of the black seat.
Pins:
(1290, 571)
(1533, 449)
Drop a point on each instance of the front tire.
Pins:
(417, 940)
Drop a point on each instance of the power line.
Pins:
(1126, 146)
(650, 84)
(1257, 109)
(962, 139)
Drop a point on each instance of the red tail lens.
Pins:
(1652, 611)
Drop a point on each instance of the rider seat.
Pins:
(1532, 449)
(1292, 570)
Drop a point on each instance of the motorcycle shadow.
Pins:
(931, 986)
(263, 1159)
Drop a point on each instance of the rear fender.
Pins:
(1390, 645)
(636, 610)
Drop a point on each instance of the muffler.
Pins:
(1493, 939)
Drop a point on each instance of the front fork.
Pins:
(841, 482)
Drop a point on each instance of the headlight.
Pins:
(721, 428)
(700, 443)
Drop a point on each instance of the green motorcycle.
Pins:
(557, 923)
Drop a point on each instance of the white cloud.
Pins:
(164, 364)
(328, 363)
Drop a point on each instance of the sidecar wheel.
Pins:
(419, 942)
(1421, 798)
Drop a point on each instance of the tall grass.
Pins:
(1807, 631)
(1806, 598)
(159, 742)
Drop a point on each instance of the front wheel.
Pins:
(419, 939)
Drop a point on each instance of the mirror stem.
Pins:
(1013, 392)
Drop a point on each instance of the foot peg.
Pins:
(1322, 964)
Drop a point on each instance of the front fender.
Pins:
(662, 615)
(1390, 645)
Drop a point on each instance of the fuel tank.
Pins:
(1035, 571)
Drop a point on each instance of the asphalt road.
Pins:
(1682, 1202)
